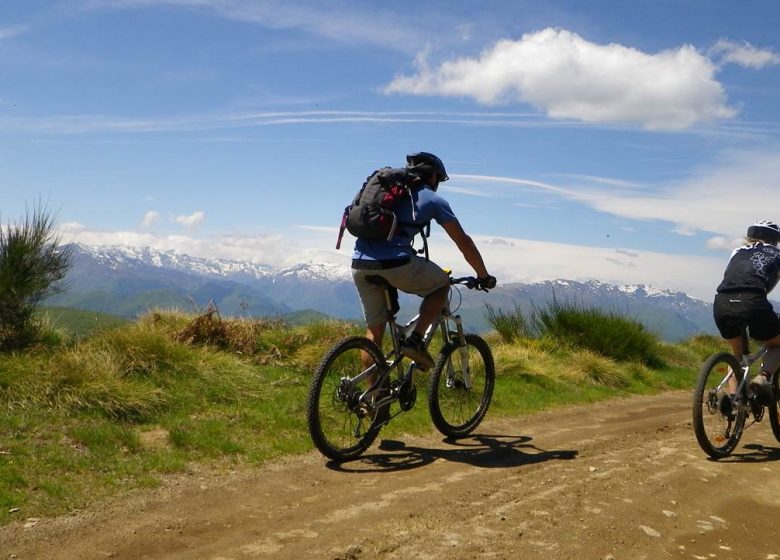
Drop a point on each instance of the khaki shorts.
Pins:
(419, 276)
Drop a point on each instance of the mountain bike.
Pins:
(720, 418)
(356, 384)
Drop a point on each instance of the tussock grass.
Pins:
(124, 406)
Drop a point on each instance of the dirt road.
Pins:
(621, 480)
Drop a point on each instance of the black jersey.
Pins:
(752, 268)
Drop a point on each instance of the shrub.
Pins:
(609, 334)
(32, 266)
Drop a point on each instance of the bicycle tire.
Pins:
(455, 410)
(718, 434)
(772, 410)
(335, 421)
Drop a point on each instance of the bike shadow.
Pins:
(757, 453)
(484, 451)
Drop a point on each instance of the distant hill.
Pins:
(126, 281)
(78, 322)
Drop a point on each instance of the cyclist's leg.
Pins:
(729, 312)
(425, 279)
(372, 300)
(765, 326)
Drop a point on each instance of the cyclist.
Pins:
(741, 301)
(398, 262)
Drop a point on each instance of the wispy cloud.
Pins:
(339, 21)
(569, 77)
(743, 54)
(12, 31)
(722, 199)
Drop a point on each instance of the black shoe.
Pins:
(414, 349)
(762, 387)
(725, 405)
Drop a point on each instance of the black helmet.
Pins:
(426, 164)
(765, 231)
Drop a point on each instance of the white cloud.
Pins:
(723, 198)
(743, 54)
(566, 76)
(191, 221)
(150, 218)
(344, 22)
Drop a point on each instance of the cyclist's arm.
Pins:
(466, 246)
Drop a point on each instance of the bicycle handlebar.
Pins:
(471, 282)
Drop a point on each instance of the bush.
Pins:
(32, 265)
(609, 334)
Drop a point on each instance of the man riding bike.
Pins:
(397, 261)
(741, 301)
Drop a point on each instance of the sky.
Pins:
(625, 142)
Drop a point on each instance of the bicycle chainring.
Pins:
(407, 395)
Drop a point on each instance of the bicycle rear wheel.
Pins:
(340, 426)
(717, 425)
(457, 409)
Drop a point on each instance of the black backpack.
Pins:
(372, 212)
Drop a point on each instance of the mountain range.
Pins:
(128, 281)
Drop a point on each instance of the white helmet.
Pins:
(765, 231)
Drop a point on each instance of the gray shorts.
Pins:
(419, 276)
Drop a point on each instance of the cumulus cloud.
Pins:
(191, 221)
(150, 218)
(569, 77)
(743, 54)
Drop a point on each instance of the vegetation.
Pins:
(82, 417)
(574, 326)
(32, 265)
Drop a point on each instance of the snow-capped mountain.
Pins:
(128, 281)
(119, 256)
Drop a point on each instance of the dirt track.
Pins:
(623, 480)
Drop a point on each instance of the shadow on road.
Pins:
(486, 451)
(756, 453)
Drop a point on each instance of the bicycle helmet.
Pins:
(764, 231)
(425, 164)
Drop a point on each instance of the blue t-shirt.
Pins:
(425, 205)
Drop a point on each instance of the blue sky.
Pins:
(628, 142)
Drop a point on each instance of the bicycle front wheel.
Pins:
(341, 426)
(461, 387)
(718, 426)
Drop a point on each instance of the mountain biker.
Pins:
(741, 301)
(397, 261)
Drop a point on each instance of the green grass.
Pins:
(86, 418)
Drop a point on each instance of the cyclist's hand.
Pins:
(486, 283)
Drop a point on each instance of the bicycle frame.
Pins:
(394, 357)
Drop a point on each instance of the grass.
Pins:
(90, 416)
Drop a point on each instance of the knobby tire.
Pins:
(718, 434)
(339, 429)
(455, 410)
